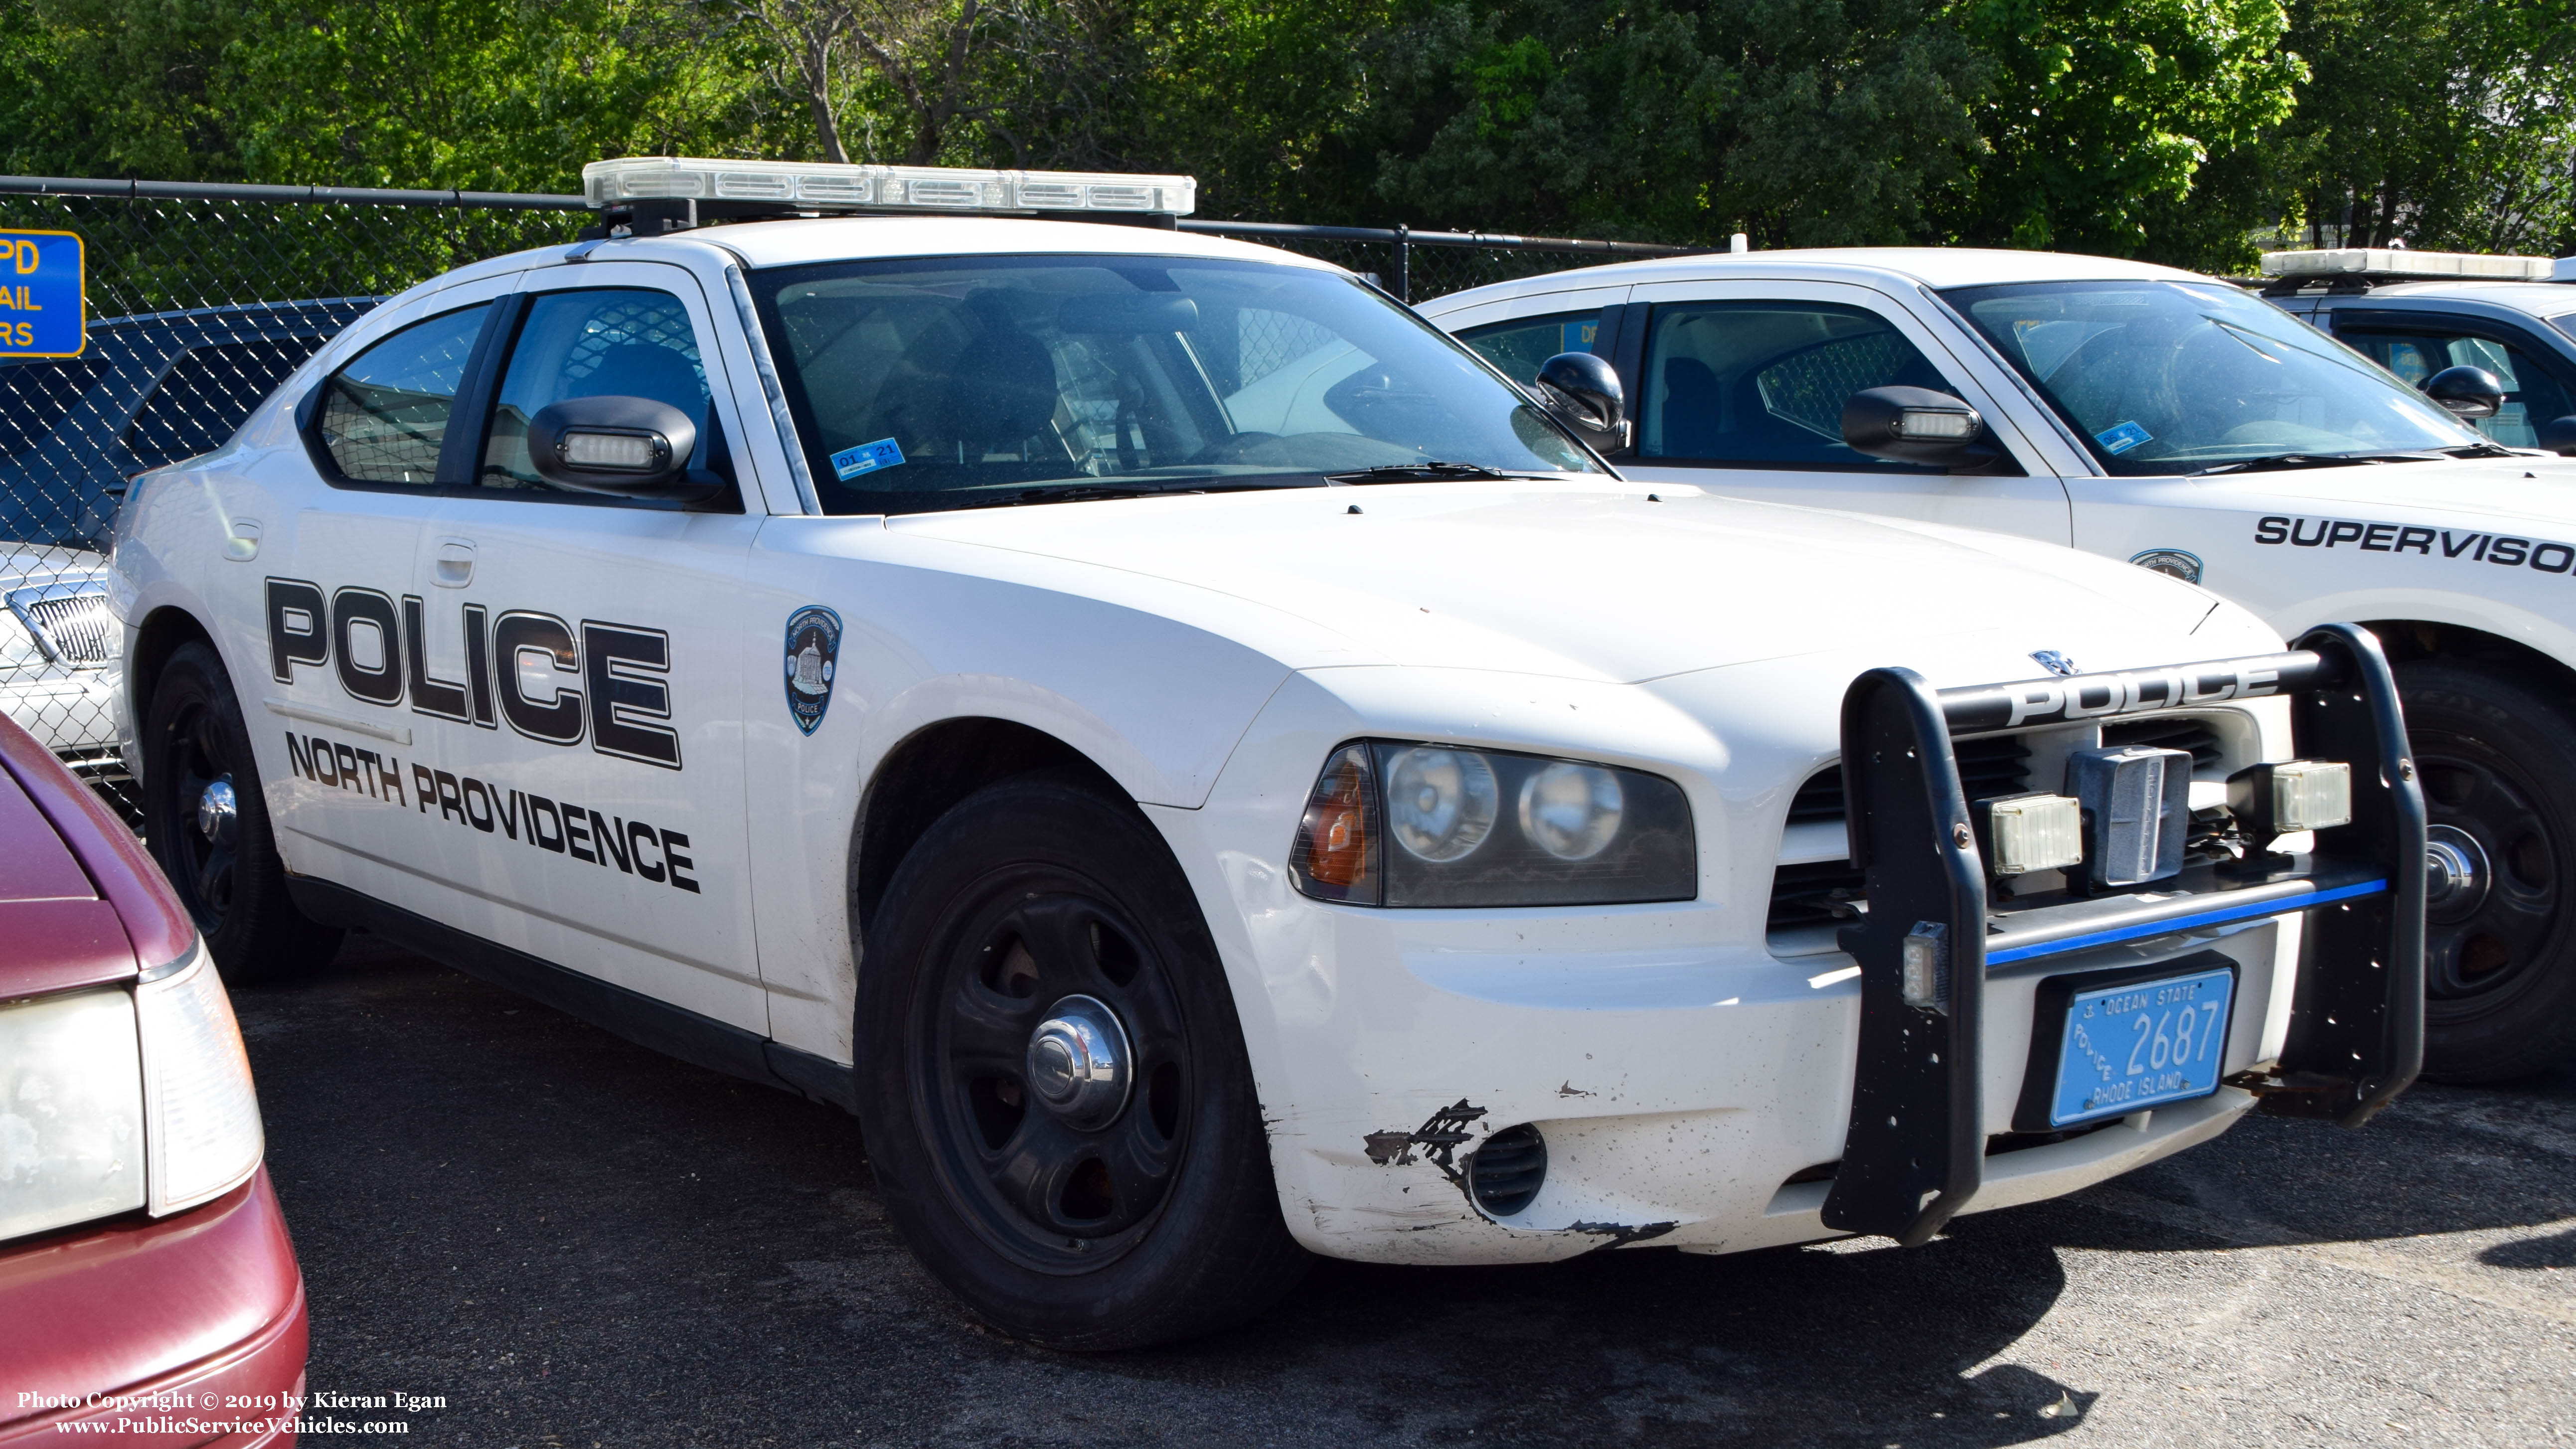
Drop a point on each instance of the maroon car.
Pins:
(147, 1288)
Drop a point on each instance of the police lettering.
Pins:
(547, 679)
(561, 827)
(2503, 550)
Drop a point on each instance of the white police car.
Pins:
(1207, 770)
(2421, 314)
(2185, 425)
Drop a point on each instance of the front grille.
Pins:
(73, 627)
(1505, 1172)
(1819, 892)
(1814, 894)
(1994, 765)
(2194, 735)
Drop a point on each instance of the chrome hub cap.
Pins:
(2456, 873)
(1079, 1062)
(217, 809)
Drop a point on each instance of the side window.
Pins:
(2531, 395)
(1762, 384)
(612, 342)
(205, 395)
(384, 416)
(1519, 347)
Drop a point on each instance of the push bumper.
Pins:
(1915, 1147)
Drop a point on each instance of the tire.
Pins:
(2498, 763)
(225, 870)
(1151, 1218)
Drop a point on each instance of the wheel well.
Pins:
(159, 638)
(2411, 639)
(929, 773)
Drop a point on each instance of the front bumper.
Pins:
(1692, 1089)
(187, 1331)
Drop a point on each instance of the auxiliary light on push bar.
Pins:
(822, 186)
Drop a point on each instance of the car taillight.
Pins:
(201, 1116)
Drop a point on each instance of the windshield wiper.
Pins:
(1407, 472)
(2482, 450)
(2282, 461)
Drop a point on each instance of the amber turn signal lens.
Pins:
(1336, 853)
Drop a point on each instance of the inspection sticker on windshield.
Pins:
(2128, 1047)
(866, 458)
(2118, 439)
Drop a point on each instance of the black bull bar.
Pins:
(1914, 1152)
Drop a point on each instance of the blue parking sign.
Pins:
(42, 311)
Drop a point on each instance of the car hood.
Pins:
(24, 563)
(1598, 580)
(2529, 495)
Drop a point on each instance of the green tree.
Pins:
(1802, 123)
(2441, 123)
(2108, 120)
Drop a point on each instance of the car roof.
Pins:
(1937, 267)
(80, 902)
(2540, 299)
(826, 239)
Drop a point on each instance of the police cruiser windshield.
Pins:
(2176, 377)
(927, 384)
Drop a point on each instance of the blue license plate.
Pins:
(2131, 1047)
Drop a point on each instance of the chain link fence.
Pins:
(202, 298)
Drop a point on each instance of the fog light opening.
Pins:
(1506, 1170)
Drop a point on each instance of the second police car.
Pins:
(1209, 772)
(2185, 425)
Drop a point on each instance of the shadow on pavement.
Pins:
(572, 1240)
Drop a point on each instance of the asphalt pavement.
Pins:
(548, 1238)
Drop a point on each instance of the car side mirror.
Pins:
(1582, 391)
(632, 447)
(2466, 392)
(1915, 425)
(2558, 435)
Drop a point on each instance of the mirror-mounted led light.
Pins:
(614, 452)
(822, 186)
(2032, 832)
(2137, 811)
(1942, 424)
(2291, 795)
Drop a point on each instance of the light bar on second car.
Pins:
(824, 186)
(2400, 262)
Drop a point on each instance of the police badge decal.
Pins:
(813, 647)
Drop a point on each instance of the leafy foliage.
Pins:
(2168, 129)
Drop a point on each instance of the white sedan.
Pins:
(1210, 772)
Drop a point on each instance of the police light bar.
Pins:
(2399, 262)
(822, 186)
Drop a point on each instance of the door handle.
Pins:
(454, 568)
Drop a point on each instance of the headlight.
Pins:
(1576, 835)
(202, 1115)
(71, 1111)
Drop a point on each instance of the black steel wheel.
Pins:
(1053, 1086)
(2498, 765)
(1056, 1069)
(207, 824)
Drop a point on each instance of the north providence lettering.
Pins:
(559, 826)
(518, 667)
(2501, 549)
